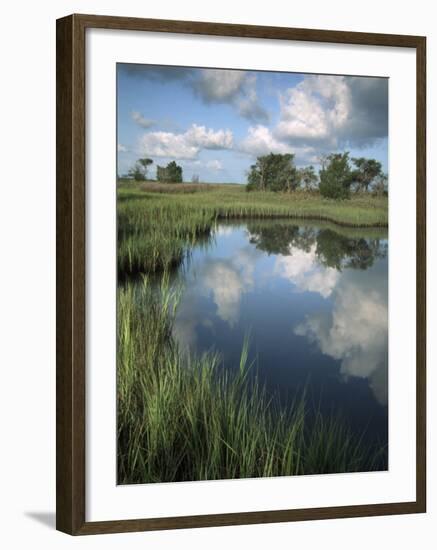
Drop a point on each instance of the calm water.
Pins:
(314, 302)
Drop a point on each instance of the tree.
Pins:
(336, 177)
(332, 249)
(367, 170)
(380, 186)
(308, 177)
(339, 252)
(323, 160)
(274, 238)
(139, 170)
(275, 172)
(172, 173)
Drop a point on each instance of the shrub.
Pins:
(336, 177)
(172, 173)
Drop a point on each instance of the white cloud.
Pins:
(322, 113)
(238, 88)
(303, 269)
(219, 85)
(248, 104)
(228, 279)
(215, 165)
(332, 111)
(205, 138)
(186, 145)
(121, 148)
(356, 333)
(167, 144)
(223, 281)
(314, 109)
(260, 141)
(140, 120)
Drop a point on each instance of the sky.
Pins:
(215, 122)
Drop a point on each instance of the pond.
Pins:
(313, 302)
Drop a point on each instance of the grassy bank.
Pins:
(157, 224)
(188, 418)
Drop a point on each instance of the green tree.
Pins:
(380, 185)
(339, 252)
(308, 177)
(139, 170)
(274, 172)
(332, 249)
(172, 173)
(274, 238)
(336, 177)
(367, 170)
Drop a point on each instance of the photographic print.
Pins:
(252, 262)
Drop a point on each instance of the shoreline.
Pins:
(313, 218)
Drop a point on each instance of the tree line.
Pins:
(172, 173)
(331, 248)
(338, 176)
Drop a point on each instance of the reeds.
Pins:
(156, 231)
(186, 418)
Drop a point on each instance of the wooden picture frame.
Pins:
(71, 253)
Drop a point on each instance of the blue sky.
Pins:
(215, 122)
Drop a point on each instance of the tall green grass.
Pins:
(156, 237)
(183, 417)
(156, 230)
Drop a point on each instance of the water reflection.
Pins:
(338, 249)
(303, 268)
(314, 300)
(355, 331)
(226, 280)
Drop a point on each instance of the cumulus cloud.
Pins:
(314, 109)
(261, 141)
(303, 269)
(121, 148)
(218, 85)
(223, 281)
(209, 139)
(238, 88)
(168, 144)
(235, 87)
(329, 111)
(141, 120)
(186, 145)
(226, 280)
(355, 332)
(321, 114)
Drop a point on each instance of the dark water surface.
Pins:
(313, 300)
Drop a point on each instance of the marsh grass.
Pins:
(187, 418)
(182, 417)
(156, 229)
(155, 187)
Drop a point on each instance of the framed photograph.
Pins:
(240, 274)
